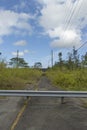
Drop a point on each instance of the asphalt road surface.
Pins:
(47, 113)
(9, 108)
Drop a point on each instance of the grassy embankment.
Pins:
(13, 78)
(69, 80)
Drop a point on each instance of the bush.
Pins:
(13, 78)
(69, 80)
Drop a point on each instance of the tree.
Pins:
(18, 62)
(75, 58)
(70, 61)
(60, 56)
(3, 64)
(38, 65)
(84, 60)
(60, 59)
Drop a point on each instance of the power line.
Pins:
(71, 15)
(76, 14)
(74, 11)
(82, 45)
(67, 16)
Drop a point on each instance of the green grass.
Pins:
(69, 80)
(13, 78)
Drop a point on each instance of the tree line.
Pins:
(73, 60)
(18, 62)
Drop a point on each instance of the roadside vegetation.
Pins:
(17, 78)
(69, 79)
(70, 74)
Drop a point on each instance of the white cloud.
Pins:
(68, 38)
(11, 21)
(46, 2)
(20, 43)
(57, 24)
(19, 54)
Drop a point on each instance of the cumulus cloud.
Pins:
(63, 21)
(20, 43)
(11, 21)
(68, 38)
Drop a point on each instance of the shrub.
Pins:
(69, 80)
(13, 78)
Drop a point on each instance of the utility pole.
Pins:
(52, 58)
(17, 57)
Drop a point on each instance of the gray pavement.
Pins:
(49, 114)
(9, 108)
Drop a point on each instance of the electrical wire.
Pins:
(78, 11)
(74, 11)
(66, 14)
(74, 8)
(69, 18)
(82, 45)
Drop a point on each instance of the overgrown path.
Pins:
(47, 113)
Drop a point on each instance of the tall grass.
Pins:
(13, 78)
(69, 80)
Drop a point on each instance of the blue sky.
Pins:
(35, 27)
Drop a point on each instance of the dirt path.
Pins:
(49, 114)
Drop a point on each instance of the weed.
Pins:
(69, 80)
(16, 78)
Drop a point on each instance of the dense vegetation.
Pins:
(17, 78)
(17, 74)
(70, 74)
(69, 79)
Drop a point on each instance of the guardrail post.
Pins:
(62, 100)
(27, 97)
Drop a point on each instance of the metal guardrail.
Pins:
(32, 93)
(26, 93)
